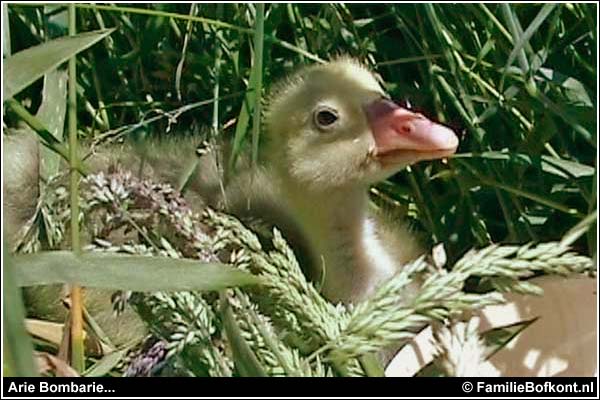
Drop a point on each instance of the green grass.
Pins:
(518, 81)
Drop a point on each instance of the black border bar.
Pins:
(299, 387)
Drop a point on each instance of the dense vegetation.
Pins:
(517, 81)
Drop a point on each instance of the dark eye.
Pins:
(325, 117)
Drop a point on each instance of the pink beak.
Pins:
(395, 128)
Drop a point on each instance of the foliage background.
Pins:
(450, 61)
(518, 81)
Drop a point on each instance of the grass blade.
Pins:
(25, 67)
(18, 353)
(135, 273)
(531, 29)
(76, 320)
(258, 65)
(245, 360)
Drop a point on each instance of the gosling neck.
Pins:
(343, 239)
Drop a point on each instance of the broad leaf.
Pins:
(27, 66)
(137, 273)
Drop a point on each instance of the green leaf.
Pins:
(106, 364)
(579, 229)
(52, 114)
(257, 64)
(496, 339)
(523, 39)
(243, 120)
(25, 67)
(46, 136)
(18, 354)
(559, 166)
(575, 91)
(371, 365)
(245, 360)
(137, 273)
(551, 165)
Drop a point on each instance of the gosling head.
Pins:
(332, 126)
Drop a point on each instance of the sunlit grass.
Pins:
(517, 81)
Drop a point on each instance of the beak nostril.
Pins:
(407, 128)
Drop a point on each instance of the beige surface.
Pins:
(562, 342)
